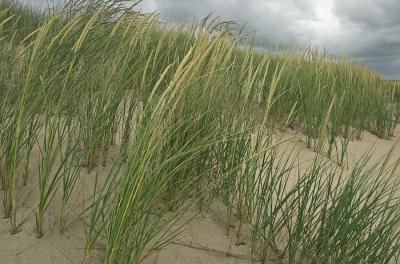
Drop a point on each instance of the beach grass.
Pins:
(193, 112)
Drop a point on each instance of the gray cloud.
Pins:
(366, 30)
(370, 14)
(375, 33)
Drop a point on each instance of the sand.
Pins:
(203, 241)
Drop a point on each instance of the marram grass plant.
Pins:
(185, 115)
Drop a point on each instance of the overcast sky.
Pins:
(367, 30)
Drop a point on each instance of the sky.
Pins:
(365, 30)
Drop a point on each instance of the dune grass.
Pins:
(193, 111)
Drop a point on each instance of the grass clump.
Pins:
(188, 115)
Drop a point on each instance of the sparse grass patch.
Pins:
(184, 115)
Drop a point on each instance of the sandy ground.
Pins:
(203, 241)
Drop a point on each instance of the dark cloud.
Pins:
(366, 30)
(266, 18)
(375, 38)
(370, 14)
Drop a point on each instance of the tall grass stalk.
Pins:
(196, 109)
